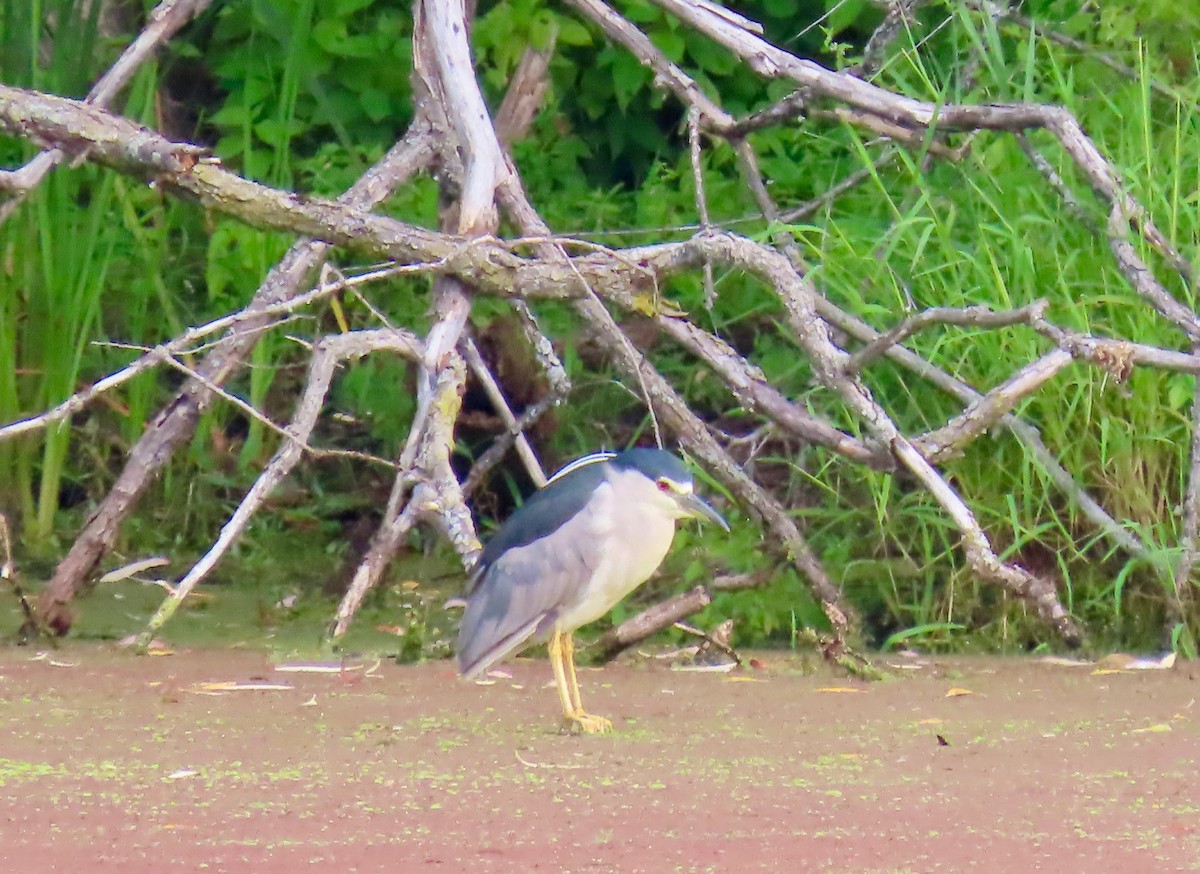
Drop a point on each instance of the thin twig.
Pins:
(710, 288)
(559, 386)
(979, 316)
(484, 374)
(153, 356)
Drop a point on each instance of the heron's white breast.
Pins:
(632, 538)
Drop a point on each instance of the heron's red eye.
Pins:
(664, 486)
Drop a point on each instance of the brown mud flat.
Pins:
(108, 761)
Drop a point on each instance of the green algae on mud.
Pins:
(1044, 766)
(398, 619)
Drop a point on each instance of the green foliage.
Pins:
(295, 74)
(306, 94)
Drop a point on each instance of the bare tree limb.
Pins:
(829, 366)
(176, 422)
(980, 316)
(666, 73)
(1026, 433)
(980, 416)
(164, 22)
(442, 62)
(772, 62)
(649, 621)
(559, 389)
(185, 344)
(467, 260)
(710, 289)
(496, 396)
(327, 355)
(756, 394)
(687, 426)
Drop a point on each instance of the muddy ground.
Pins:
(109, 761)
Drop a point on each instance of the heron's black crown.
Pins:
(654, 463)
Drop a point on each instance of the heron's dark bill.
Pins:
(698, 508)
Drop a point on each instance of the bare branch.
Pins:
(752, 390)
(1026, 433)
(852, 181)
(327, 355)
(496, 396)
(1117, 357)
(666, 73)
(1141, 277)
(980, 316)
(829, 365)
(772, 62)
(710, 289)
(156, 355)
(164, 22)
(176, 422)
(442, 60)
(651, 620)
(978, 418)
(687, 426)
(559, 388)
(526, 90)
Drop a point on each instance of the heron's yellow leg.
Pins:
(555, 649)
(587, 721)
(568, 646)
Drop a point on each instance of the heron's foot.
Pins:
(586, 722)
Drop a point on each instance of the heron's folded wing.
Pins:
(519, 594)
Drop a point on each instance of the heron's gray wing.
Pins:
(541, 515)
(519, 593)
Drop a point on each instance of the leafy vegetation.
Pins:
(306, 95)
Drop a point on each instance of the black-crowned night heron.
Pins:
(593, 534)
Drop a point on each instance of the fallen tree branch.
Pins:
(327, 355)
(444, 72)
(176, 422)
(873, 101)
(691, 432)
(756, 395)
(979, 316)
(467, 260)
(164, 21)
(649, 621)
